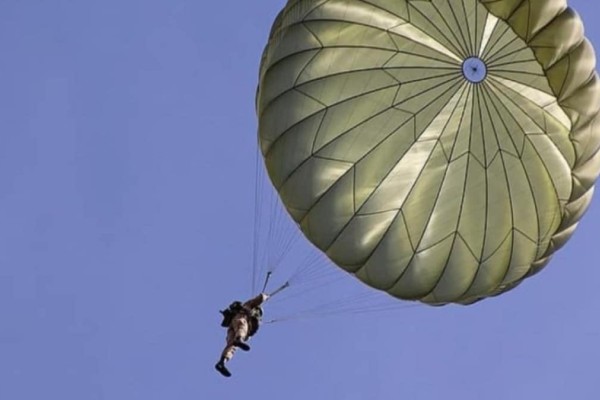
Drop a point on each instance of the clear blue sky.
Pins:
(127, 144)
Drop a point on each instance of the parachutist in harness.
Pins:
(242, 321)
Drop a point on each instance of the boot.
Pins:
(220, 366)
(241, 345)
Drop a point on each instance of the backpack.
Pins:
(229, 313)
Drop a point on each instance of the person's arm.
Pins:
(257, 301)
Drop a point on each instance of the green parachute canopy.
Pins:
(439, 150)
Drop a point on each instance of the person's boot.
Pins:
(220, 366)
(241, 345)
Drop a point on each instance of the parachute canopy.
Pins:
(440, 150)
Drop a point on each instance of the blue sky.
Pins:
(127, 176)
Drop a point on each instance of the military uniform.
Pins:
(243, 324)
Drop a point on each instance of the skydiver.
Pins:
(242, 321)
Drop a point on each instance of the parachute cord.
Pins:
(284, 236)
(301, 293)
(257, 220)
(276, 236)
(342, 312)
(311, 266)
(264, 224)
(272, 224)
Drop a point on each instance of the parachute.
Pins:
(441, 150)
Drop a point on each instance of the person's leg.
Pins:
(227, 353)
(241, 334)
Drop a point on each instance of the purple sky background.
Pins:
(127, 154)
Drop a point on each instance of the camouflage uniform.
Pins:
(243, 325)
